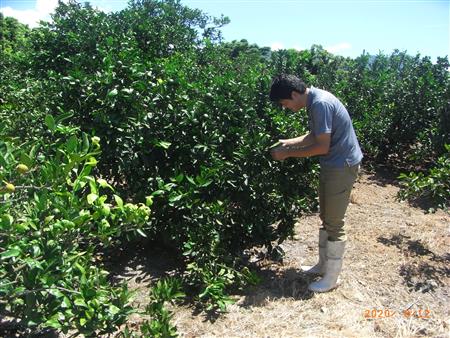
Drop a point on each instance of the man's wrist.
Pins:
(292, 148)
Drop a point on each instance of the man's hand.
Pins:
(279, 153)
(287, 148)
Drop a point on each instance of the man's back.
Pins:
(328, 115)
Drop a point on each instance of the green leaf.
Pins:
(3, 162)
(158, 193)
(36, 250)
(14, 252)
(113, 93)
(163, 144)
(57, 293)
(84, 173)
(72, 143)
(102, 199)
(50, 122)
(119, 201)
(149, 201)
(25, 159)
(92, 184)
(104, 184)
(33, 152)
(66, 303)
(63, 116)
(114, 309)
(80, 302)
(92, 161)
(179, 178)
(6, 221)
(140, 232)
(76, 256)
(83, 321)
(91, 198)
(81, 268)
(85, 143)
(53, 323)
(202, 182)
(175, 198)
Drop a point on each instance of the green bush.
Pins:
(56, 218)
(435, 184)
(189, 126)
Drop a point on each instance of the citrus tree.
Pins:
(56, 218)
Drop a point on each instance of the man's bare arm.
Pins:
(301, 141)
(320, 146)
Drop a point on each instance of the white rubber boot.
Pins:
(319, 268)
(333, 267)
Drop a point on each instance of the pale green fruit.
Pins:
(22, 168)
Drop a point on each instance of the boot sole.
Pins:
(334, 287)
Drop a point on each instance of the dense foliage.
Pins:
(433, 185)
(55, 217)
(183, 123)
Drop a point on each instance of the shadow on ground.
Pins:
(142, 261)
(147, 263)
(274, 284)
(425, 271)
(383, 176)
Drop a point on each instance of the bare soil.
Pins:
(394, 283)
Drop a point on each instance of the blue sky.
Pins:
(344, 27)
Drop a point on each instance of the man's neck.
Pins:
(304, 98)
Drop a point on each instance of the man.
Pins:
(333, 138)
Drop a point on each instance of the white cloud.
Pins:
(28, 17)
(339, 47)
(46, 7)
(31, 17)
(276, 46)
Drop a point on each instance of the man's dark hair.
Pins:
(283, 85)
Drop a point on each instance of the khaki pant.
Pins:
(335, 185)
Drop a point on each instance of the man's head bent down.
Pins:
(289, 91)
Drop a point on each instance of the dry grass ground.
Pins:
(397, 259)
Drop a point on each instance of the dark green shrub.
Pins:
(435, 184)
(189, 126)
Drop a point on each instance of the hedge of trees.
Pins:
(144, 123)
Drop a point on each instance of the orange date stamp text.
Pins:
(387, 313)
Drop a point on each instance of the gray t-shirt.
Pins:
(328, 115)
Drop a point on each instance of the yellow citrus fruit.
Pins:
(22, 168)
(10, 187)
